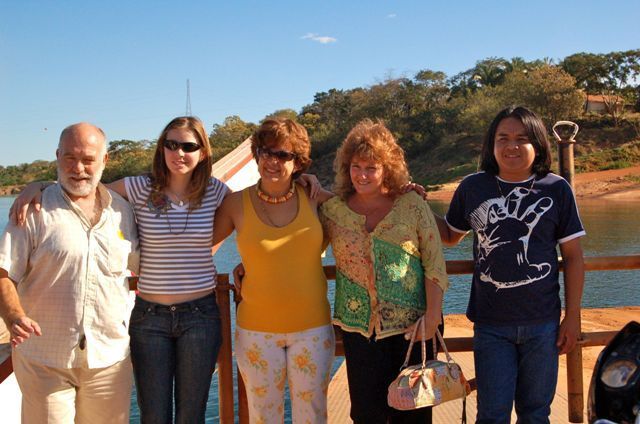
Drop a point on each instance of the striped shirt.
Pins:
(175, 242)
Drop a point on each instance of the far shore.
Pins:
(10, 190)
(615, 184)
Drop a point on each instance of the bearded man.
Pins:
(64, 294)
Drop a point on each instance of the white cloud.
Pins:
(320, 39)
(391, 15)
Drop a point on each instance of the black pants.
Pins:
(371, 367)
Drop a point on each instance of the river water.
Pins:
(613, 228)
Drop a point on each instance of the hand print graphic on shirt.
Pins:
(503, 231)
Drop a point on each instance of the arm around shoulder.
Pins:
(227, 216)
(119, 187)
(31, 194)
(320, 196)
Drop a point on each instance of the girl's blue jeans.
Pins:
(515, 364)
(174, 350)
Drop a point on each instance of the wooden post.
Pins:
(243, 407)
(6, 368)
(565, 160)
(575, 394)
(565, 150)
(225, 364)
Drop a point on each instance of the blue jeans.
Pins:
(174, 343)
(515, 363)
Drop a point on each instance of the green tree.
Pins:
(336, 113)
(588, 69)
(283, 114)
(490, 72)
(128, 157)
(596, 73)
(227, 136)
(613, 75)
(548, 90)
(477, 111)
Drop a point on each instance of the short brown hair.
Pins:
(201, 174)
(277, 131)
(373, 141)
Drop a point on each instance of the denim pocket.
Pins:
(208, 311)
(138, 315)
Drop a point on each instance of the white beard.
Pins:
(79, 188)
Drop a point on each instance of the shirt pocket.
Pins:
(118, 256)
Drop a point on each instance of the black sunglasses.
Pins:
(186, 147)
(281, 155)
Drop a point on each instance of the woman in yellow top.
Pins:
(283, 329)
(390, 268)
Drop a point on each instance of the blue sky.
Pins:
(124, 64)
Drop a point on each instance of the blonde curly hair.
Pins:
(370, 140)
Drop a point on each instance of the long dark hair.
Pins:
(200, 178)
(536, 132)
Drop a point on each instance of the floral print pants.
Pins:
(267, 360)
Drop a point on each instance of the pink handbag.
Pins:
(430, 383)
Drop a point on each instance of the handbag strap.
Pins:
(444, 346)
(420, 324)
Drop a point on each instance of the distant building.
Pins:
(601, 103)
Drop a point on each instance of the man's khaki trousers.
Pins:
(75, 395)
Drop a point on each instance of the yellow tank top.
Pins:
(284, 289)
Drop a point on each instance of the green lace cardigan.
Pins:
(380, 276)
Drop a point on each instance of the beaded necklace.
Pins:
(274, 199)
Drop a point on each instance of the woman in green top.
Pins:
(390, 268)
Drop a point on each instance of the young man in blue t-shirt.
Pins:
(519, 212)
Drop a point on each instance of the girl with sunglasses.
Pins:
(283, 328)
(175, 323)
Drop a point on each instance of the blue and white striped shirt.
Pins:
(175, 242)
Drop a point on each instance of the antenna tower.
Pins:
(188, 111)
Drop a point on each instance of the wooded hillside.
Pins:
(439, 120)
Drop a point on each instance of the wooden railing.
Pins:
(454, 344)
(575, 391)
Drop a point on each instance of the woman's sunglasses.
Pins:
(186, 147)
(281, 155)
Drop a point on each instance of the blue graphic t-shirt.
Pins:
(517, 227)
